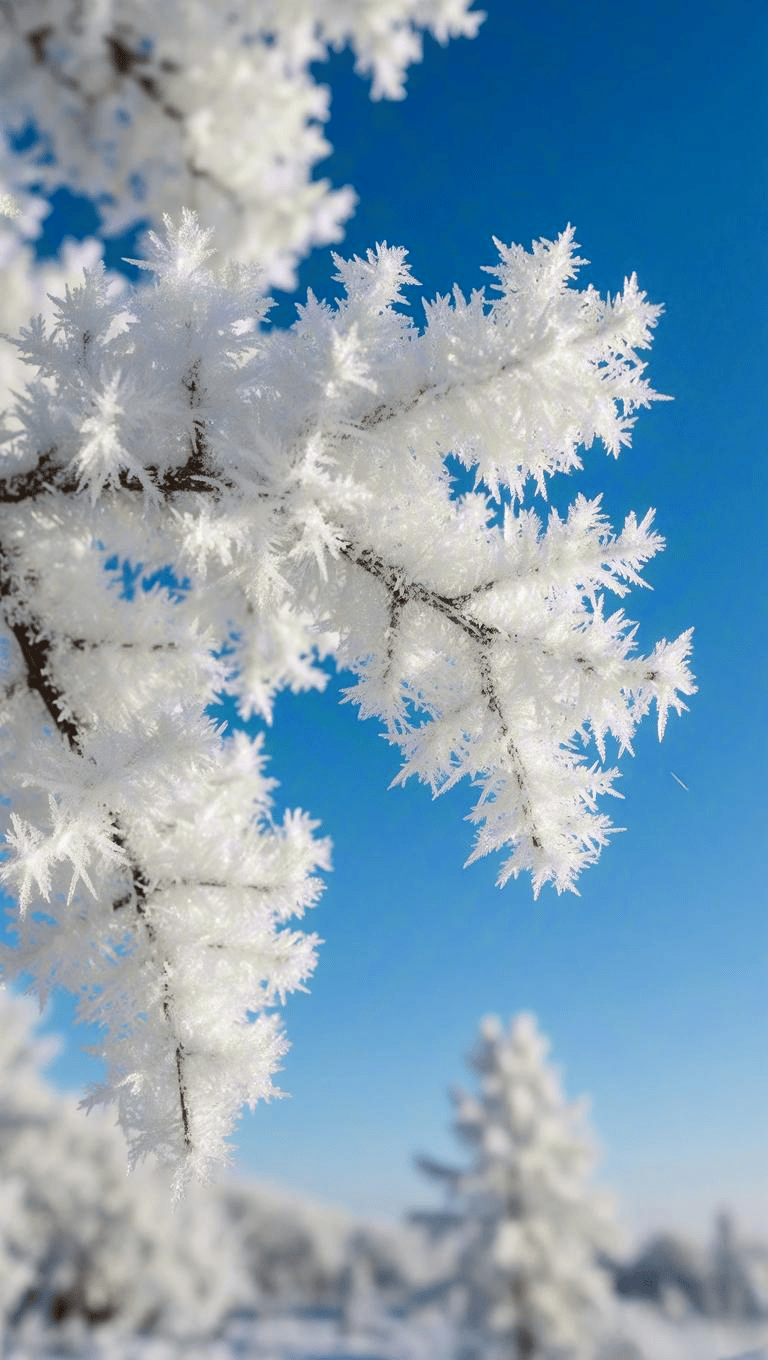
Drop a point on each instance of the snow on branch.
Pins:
(299, 481)
(144, 109)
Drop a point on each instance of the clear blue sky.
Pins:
(646, 127)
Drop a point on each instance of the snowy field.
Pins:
(635, 1332)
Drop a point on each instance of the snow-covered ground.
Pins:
(656, 1337)
(636, 1331)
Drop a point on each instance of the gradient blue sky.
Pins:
(646, 127)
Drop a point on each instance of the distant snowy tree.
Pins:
(721, 1282)
(292, 1249)
(193, 505)
(527, 1227)
(360, 1304)
(732, 1293)
(665, 1266)
(299, 1253)
(81, 1244)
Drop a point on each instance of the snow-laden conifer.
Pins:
(525, 1223)
(296, 482)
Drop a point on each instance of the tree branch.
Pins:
(402, 591)
(35, 650)
(44, 477)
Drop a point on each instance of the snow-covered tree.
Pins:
(192, 504)
(527, 1226)
(732, 1291)
(81, 1244)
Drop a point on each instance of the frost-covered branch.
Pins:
(298, 484)
(145, 108)
(142, 973)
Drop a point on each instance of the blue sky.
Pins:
(646, 128)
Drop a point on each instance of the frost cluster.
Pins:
(297, 483)
(146, 106)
